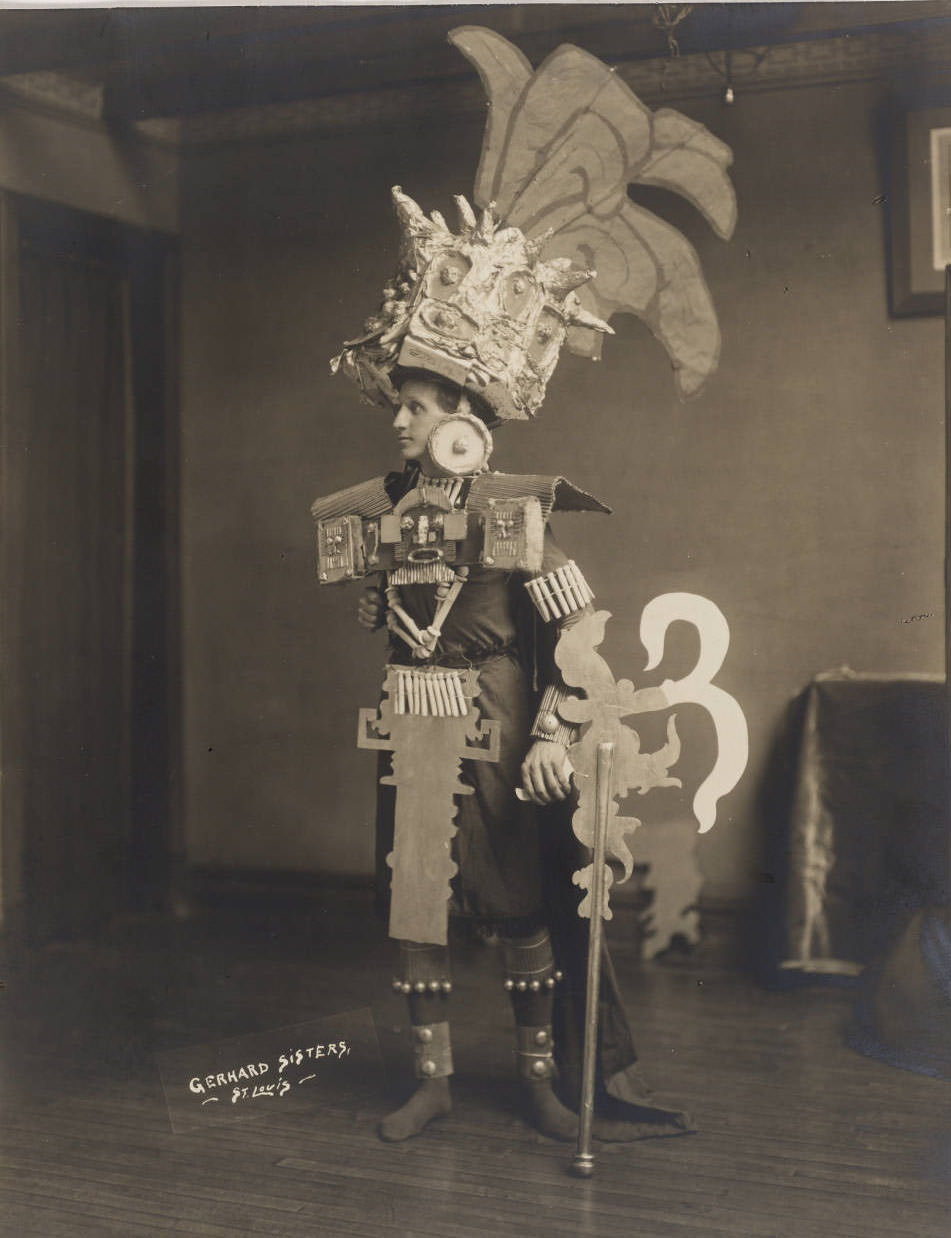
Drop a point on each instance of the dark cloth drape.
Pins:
(74, 604)
(868, 846)
(868, 828)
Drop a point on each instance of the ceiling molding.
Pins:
(879, 55)
(59, 92)
(884, 54)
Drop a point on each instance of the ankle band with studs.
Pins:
(432, 1051)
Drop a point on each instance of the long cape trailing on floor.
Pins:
(622, 1092)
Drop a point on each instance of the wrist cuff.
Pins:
(548, 721)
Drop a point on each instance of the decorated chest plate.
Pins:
(423, 538)
(424, 529)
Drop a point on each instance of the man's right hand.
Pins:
(371, 609)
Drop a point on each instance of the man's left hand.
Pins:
(545, 779)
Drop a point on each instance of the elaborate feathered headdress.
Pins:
(559, 246)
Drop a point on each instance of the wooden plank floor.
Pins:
(799, 1137)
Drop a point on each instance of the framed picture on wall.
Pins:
(920, 215)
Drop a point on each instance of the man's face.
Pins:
(419, 410)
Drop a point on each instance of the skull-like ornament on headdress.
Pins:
(478, 307)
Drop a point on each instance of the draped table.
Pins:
(868, 830)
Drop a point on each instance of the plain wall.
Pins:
(802, 490)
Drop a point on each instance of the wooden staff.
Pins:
(583, 1164)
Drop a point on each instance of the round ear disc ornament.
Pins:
(459, 445)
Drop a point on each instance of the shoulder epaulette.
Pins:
(366, 499)
(556, 494)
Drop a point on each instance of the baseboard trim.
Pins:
(206, 884)
(724, 917)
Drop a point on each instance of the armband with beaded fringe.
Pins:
(560, 593)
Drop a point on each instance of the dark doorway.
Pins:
(90, 568)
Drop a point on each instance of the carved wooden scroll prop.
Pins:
(609, 701)
(428, 721)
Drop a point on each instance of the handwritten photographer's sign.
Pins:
(331, 1063)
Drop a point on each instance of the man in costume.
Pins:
(476, 595)
(499, 877)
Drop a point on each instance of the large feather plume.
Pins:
(561, 146)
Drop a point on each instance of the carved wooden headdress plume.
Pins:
(558, 246)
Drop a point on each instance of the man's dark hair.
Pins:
(448, 393)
